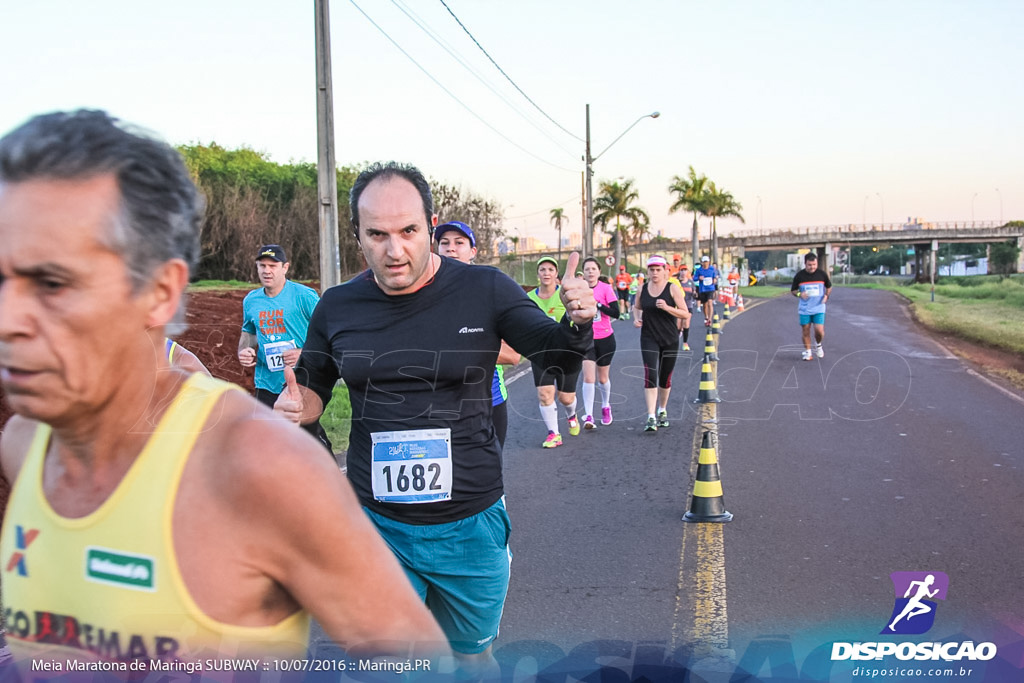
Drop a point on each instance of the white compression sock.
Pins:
(550, 416)
(588, 398)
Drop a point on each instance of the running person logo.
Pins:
(914, 608)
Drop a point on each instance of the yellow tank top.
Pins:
(107, 586)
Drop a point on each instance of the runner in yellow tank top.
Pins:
(129, 599)
(153, 515)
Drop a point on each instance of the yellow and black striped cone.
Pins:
(709, 348)
(725, 313)
(707, 393)
(708, 503)
(716, 326)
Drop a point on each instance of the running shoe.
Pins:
(606, 416)
(686, 347)
(662, 419)
(574, 426)
(807, 355)
(818, 351)
(552, 440)
(651, 426)
(588, 422)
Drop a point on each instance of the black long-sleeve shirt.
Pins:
(425, 361)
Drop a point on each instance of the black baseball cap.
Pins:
(272, 251)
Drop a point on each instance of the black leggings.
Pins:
(659, 362)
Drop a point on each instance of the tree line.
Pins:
(252, 201)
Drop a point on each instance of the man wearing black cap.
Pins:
(274, 323)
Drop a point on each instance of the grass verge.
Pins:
(987, 310)
(337, 418)
(763, 292)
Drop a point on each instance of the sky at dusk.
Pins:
(810, 113)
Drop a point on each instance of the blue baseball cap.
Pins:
(457, 226)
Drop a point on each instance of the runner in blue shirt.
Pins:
(705, 279)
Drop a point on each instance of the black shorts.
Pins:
(705, 297)
(623, 294)
(601, 351)
(545, 377)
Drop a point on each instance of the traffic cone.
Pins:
(716, 326)
(709, 348)
(707, 504)
(725, 313)
(707, 393)
(739, 303)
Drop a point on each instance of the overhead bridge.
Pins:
(925, 237)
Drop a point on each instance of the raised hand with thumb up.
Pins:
(577, 297)
(290, 402)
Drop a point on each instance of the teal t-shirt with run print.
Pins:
(279, 323)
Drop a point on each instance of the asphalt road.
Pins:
(886, 455)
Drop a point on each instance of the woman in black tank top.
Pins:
(660, 307)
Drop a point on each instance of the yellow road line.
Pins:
(701, 615)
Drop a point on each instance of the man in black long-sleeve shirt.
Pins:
(416, 338)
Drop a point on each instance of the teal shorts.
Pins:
(460, 569)
(816, 318)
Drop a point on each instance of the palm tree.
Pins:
(720, 203)
(557, 216)
(616, 201)
(691, 195)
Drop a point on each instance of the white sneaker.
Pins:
(807, 355)
(818, 351)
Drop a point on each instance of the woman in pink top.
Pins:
(598, 359)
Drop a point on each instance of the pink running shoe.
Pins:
(606, 416)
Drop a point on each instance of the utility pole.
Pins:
(588, 228)
(327, 178)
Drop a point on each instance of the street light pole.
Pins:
(882, 203)
(588, 236)
(588, 228)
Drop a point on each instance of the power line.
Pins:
(540, 211)
(507, 77)
(447, 48)
(454, 97)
